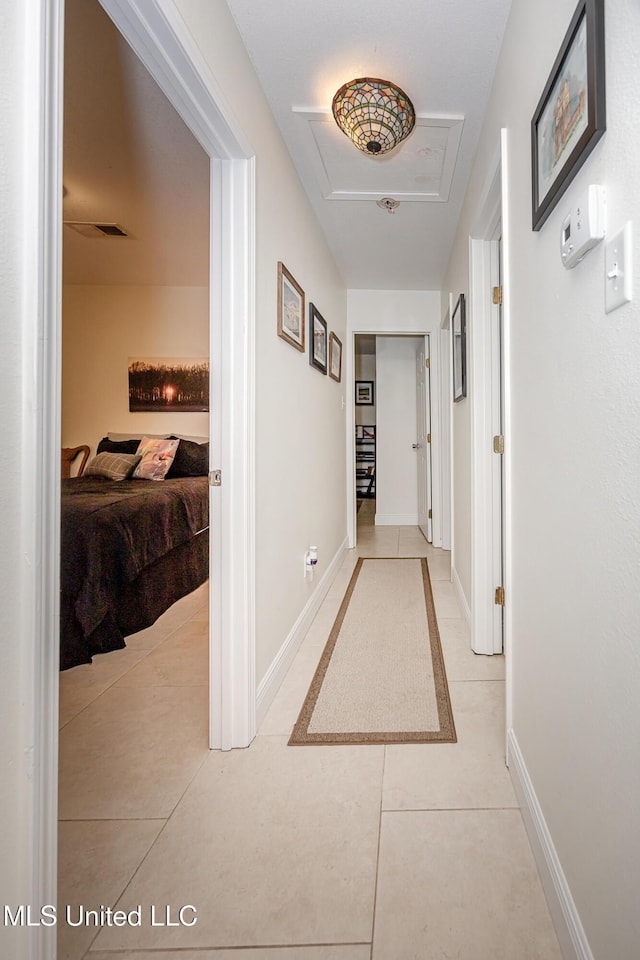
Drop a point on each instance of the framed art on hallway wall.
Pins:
(459, 349)
(570, 116)
(364, 393)
(290, 309)
(317, 339)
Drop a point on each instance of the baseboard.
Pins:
(270, 683)
(566, 919)
(462, 600)
(396, 520)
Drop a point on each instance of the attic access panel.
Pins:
(421, 168)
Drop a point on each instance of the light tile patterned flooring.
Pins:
(413, 852)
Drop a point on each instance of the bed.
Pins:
(129, 549)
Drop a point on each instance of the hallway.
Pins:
(299, 853)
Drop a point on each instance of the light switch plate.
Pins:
(617, 269)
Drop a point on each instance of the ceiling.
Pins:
(443, 54)
(129, 158)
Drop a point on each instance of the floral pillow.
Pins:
(157, 456)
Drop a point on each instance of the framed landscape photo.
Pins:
(168, 385)
(571, 115)
(364, 393)
(335, 357)
(290, 309)
(317, 340)
(459, 350)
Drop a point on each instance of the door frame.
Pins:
(158, 36)
(350, 377)
(423, 355)
(157, 33)
(486, 540)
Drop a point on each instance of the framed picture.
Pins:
(459, 350)
(364, 393)
(317, 340)
(167, 385)
(290, 309)
(570, 117)
(335, 357)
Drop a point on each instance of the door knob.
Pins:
(415, 446)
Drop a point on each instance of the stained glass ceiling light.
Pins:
(375, 114)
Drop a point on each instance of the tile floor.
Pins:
(413, 852)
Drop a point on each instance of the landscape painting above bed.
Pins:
(164, 385)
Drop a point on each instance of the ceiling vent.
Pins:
(93, 230)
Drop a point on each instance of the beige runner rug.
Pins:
(381, 677)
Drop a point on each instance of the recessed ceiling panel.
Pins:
(420, 168)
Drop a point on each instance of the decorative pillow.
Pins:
(112, 466)
(118, 446)
(191, 459)
(157, 457)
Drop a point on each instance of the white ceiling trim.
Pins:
(331, 162)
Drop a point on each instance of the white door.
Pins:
(422, 444)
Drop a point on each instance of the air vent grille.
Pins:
(94, 230)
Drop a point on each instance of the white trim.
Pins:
(462, 600)
(507, 465)
(483, 544)
(396, 519)
(159, 37)
(270, 683)
(42, 203)
(564, 913)
(436, 433)
(350, 460)
(432, 340)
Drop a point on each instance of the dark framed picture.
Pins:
(364, 393)
(571, 115)
(335, 357)
(168, 385)
(317, 340)
(290, 309)
(459, 349)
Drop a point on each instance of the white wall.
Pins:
(573, 593)
(103, 326)
(396, 466)
(300, 420)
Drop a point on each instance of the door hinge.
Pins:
(498, 444)
(215, 478)
(428, 438)
(497, 296)
(427, 362)
(430, 514)
(500, 596)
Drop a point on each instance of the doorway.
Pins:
(488, 586)
(394, 472)
(157, 34)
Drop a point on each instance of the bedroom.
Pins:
(130, 159)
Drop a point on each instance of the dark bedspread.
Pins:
(112, 531)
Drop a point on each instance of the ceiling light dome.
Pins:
(375, 114)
